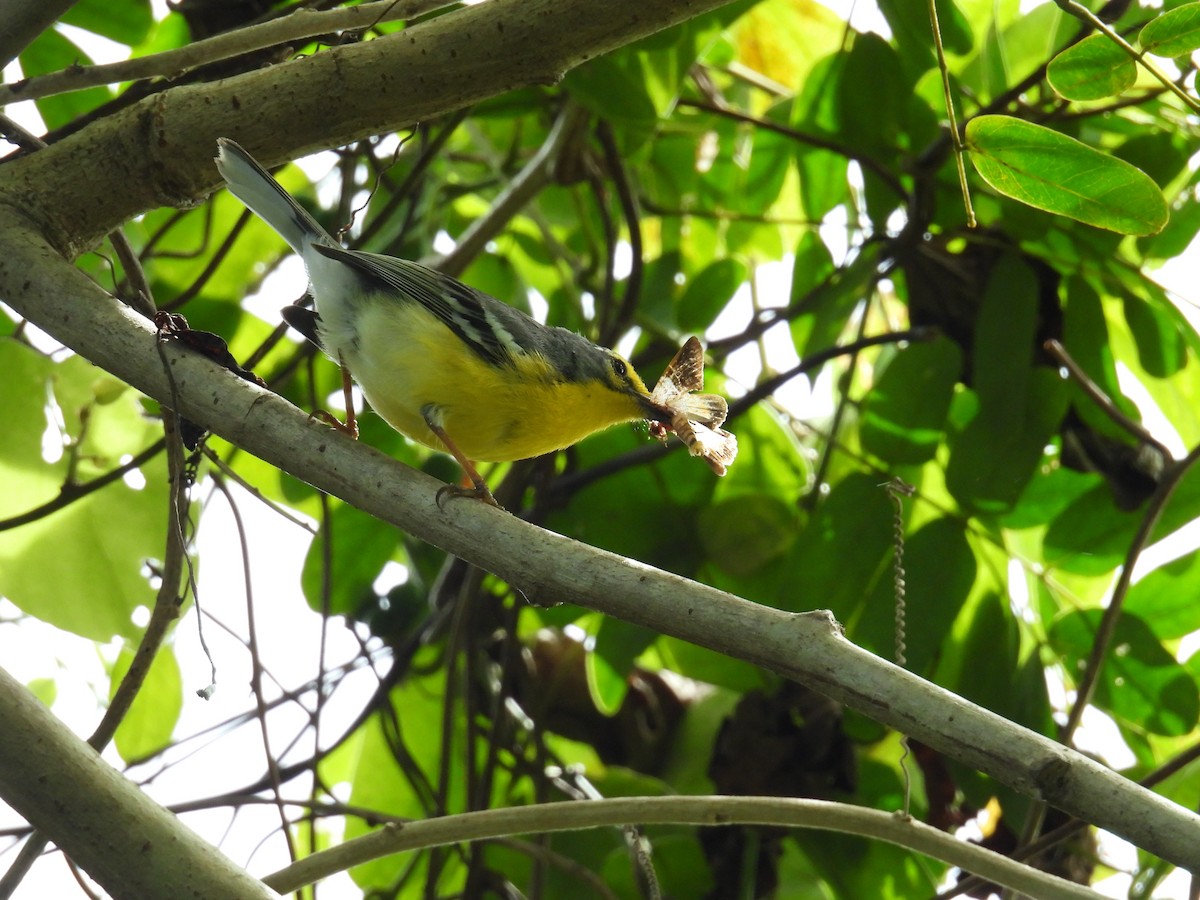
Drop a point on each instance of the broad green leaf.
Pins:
(124, 21)
(1166, 598)
(344, 560)
(52, 52)
(939, 559)
(711, 666)
(827, 307)
(608, 666)
(1090, 536)
(1174, 33)
(1086, 338)
(1161, 348)
(842, 550)
(991, 465)
(680, 867)
(369, 761)
(744, 533)
(1059, 174)
(1003, 424)
(872, 96)
(1140, 681)
(1011, 50)
(45, 689)
(1173, 240)
(811, 266)
(1005, 333)
(708, 293)
(816, 110)
(783, 39)
(760, 182)
(1047, 496)
(148, 725)
(96, 595)
(910, 25)
(905, 413)
(611, 86)
(1092, 69)
(1163, 155)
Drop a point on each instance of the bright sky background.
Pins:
(277, 550)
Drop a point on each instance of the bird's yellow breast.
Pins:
(405, 360)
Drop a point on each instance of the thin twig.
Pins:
(788, 812)
(959, 149)
(1102, 400)
(520, 190)
(821, 142)
(172, 64)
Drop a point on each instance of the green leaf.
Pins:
(1140, 682)
(744, 533)
(910, 25)
(369, 761)
(1047, 496)
(52, 52)
(1166, 598)
(938, 557)
(1174, 33)
(842, 550)
(45, 689)
(905, 413)
(127, 22)
(709, 293)
(359, 546)
(1061, 175)
(1173, 240)
(1086, 338)
(608, 666)
(1092, 69)
(1005, 422)
(827, 307)
(872, 94)
(990, 465)
(150, 722)
(1161, 348)
(613, 88)
(710, 666)
(97, 594)
(823, 183)
(1090, 536)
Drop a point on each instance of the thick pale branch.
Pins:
(549, 568)
(126, 841)
(159, 152)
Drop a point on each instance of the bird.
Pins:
(444, 364)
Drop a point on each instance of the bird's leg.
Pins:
(350, 426)
(480, 490)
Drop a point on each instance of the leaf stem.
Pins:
(955, 136)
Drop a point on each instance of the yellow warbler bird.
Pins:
(441, 362)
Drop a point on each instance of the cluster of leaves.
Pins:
(764, 132)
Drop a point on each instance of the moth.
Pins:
(695, 418)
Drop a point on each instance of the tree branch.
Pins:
(548, 568)
(158, 152)
(124, 840)
(779, 811)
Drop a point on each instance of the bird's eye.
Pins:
(618, 366)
